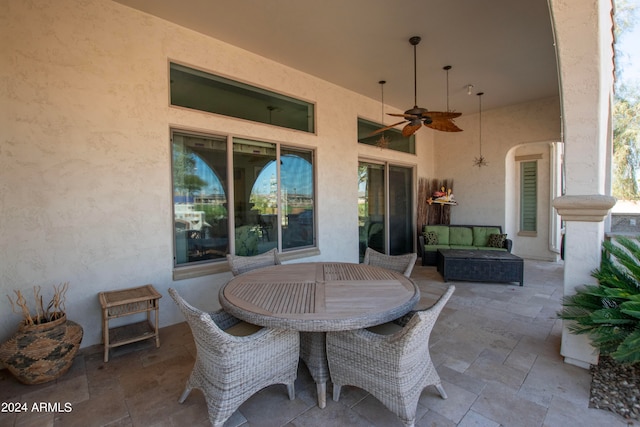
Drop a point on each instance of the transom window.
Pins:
(393, 137)
(203, 91)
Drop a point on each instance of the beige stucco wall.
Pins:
(482, 192)
(85, 188)
(85, 177)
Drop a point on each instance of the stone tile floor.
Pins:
(496, 348)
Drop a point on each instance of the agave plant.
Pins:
(609, 313)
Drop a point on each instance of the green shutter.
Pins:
(528, 196)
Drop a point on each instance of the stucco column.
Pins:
(583, 32)
(584, 233)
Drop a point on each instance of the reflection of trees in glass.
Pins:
(363, 205)
(185, 180)
(626, 110)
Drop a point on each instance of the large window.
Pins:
(202, 91)
(261, 197)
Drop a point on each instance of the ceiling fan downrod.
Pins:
(414, 42)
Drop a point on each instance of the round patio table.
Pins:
(315, 298)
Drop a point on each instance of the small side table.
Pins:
(126, 302)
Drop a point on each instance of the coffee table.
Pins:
(480, 266)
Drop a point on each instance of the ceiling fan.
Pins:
(416, 116)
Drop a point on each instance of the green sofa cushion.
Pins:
(441, 230)
(481, 235)
(489, 248)
(461, 236)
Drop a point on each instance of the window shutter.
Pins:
(528, 196)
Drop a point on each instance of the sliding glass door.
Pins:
(385, 208)
(400, 210)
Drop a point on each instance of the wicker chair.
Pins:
(394, 366)
(400, 263)
(241, 264)
(236, 359)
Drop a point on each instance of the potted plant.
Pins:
(609, 314)
(45, 343)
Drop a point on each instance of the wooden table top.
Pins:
(318, 297)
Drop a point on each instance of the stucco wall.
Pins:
(85, 188)
(481, 193)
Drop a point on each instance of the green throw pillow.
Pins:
(431, 238)
(496, 240)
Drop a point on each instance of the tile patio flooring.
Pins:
(496, 348)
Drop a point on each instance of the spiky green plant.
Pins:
(609, 313)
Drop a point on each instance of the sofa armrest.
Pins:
(421, 250)
(508, 244)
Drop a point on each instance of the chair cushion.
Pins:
(481, 235)
(243, 329)
(388, 328)
(461, 236)
(441, 230)
(496, 240)
(431, 238)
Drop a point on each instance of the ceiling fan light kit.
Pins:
(416, 117)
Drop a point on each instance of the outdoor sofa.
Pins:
(470, 237)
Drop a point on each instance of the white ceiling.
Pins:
(502, 47)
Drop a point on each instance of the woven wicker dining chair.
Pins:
(236, 359)
(400, 263)
(241, 264)
(394, 365)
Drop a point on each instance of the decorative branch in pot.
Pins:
(46, 342)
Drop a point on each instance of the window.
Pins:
(528, 196)
(395, 140)
(202, 91)
(263, 199)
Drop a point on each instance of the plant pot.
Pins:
(41, 353)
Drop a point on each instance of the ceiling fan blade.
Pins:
(386, 128)
(445, 125)
(438, 115)
(410, 129)
(405, 115)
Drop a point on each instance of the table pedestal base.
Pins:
(313, 352)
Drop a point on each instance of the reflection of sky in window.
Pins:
(209, 176)
(296, 176)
